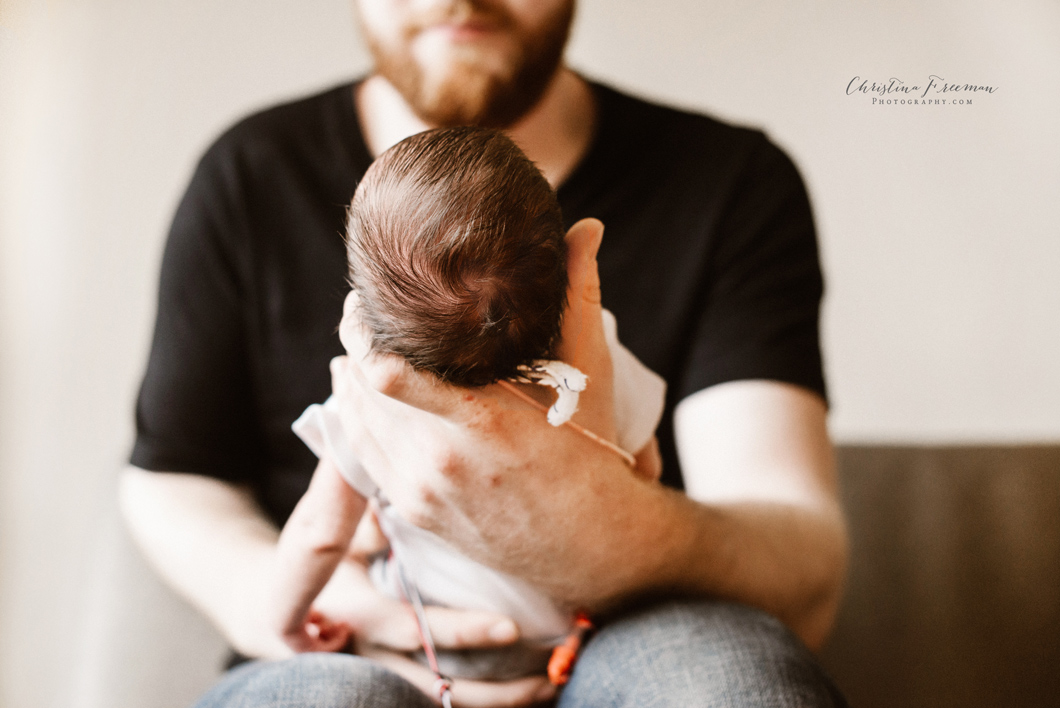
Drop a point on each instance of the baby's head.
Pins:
(456, 251)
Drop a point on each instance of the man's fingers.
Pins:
(583, 244)
(395, 378)
(582, 333)
(389, 375)
(509, 694)
(354, 397)
(467, 629)
(467, 693)
(385, 374)
(392, 376)
(365, 409)
(583, 342)
(450, 629)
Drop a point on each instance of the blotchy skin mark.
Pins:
(484, 423)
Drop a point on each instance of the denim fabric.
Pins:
(690, 654)
(314, 681)
(680, 654)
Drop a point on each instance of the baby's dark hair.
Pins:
(456, 251)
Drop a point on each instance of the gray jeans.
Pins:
(679, 654)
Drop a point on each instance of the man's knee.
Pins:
(698, 653)
(313, 681)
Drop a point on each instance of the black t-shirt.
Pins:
(709, 262)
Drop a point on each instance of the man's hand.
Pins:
(486, 471)
(763, 525)
(216, 548)
(384, 629)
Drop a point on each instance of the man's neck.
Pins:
(555, 134)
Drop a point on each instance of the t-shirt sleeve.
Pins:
(639, 393)
(194, 412)
(760, 318)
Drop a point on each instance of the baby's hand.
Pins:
(318, 633)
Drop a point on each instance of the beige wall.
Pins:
(939, 228)
(940, 225)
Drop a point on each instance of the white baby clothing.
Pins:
(443, 575)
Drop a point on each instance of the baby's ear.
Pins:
(352, 334)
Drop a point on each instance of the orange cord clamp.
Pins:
(563, 657)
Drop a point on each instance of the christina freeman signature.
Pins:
(935, 84)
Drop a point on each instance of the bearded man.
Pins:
(709, 586)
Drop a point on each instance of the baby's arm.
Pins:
(312, 544)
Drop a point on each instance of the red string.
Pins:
(442, 684)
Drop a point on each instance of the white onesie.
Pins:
(443, 575)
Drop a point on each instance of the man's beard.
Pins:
(470, 93)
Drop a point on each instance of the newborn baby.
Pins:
(458, 261)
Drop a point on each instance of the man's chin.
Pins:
(468, 97)
(491, 80)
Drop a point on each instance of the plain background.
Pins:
(938, 224)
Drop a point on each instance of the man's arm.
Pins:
(762, 526)
(211, 543)
(757, 459)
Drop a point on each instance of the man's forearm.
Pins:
(211, 543)
(784, 559)
(654, 541)
(760, 523)
(757, 457)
